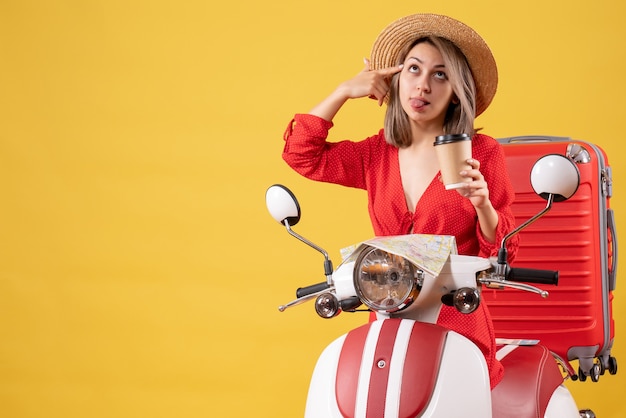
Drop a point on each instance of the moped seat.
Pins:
(531, 375)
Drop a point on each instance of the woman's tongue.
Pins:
(418, 103)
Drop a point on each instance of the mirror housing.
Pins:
(282, 205)
(555, 175)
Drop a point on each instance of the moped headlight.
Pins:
(386, 282)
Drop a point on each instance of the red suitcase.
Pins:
(577, 238)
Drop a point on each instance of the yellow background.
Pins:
(139, 270)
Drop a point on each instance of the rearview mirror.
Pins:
(282, 205)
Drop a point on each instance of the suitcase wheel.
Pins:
(609, 364)
(612, 365)
(594, 373)
(597, 369)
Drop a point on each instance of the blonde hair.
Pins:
(459, 116)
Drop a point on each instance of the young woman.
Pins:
(436, 75)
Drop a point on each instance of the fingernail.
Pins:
(401, 66)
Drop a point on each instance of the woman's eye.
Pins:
(413, 69)
(441, 75)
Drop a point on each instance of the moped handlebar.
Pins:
(518, 278)
(309, 290)
(518, 274)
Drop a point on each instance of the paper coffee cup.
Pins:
(453, 151)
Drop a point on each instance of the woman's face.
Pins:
(424, 90)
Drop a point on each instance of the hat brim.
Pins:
(397, 35)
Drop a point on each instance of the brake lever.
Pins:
(502, 283)
(303, 299)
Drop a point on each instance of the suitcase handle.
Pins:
(519, 274)
(533, 138)
(613, 269)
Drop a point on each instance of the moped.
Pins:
(401, 363)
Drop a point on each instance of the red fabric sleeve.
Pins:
(493, 167)
(308, 153)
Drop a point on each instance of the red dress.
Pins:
(372, 165)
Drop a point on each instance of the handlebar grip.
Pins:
(314, 288)
(519, 274)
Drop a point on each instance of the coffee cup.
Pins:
(453, 151)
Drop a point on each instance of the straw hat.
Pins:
(398, 34)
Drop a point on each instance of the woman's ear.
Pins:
(455, 100)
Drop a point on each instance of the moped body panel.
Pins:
(400, 368)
